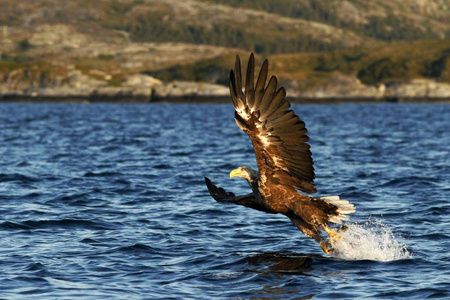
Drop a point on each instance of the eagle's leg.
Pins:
(334, 236)
(311, 231)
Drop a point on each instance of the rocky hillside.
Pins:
(264, 26)
(138, 48)
(380, 19)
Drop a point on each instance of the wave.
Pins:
(372, 240)
(63, 223)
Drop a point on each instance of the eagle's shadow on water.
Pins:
(298, 272)
(290, 263)
(285, 262)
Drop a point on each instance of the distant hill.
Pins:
(263, 26)
(80, 44)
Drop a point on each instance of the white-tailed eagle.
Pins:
(283, 157)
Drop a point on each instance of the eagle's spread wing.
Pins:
(277, 133)
(220, 195)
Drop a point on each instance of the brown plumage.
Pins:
(283, 157)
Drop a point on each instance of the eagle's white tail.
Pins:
(344, 208)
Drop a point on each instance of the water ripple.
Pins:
(108, 201)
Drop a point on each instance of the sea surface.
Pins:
(104, 201)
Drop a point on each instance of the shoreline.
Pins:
(213, 99)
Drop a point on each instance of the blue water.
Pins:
(108, 201)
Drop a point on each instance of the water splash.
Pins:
(372, 240)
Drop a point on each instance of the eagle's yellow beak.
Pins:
(235, 173)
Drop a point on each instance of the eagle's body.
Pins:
(283, 157)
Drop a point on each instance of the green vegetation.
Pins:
(38, 73)
(421, 59)
(159, 26)
(212, 70)
(394, 25)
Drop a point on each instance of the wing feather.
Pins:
(249, 82)
(269, 93)
(278, 135)
(238, 77)
(276, 102)
(278, 111)
(236, 92)
(260, 84)
(279, 120)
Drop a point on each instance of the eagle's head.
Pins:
(245, 172)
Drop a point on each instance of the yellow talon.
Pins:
(332, 233)
(325, 248)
